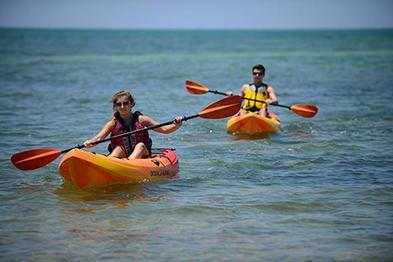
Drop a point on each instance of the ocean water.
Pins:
(321, 189)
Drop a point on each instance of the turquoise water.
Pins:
(320, 189)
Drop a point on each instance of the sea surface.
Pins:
(321, 189)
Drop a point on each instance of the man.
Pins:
(257, 90)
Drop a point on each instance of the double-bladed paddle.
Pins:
(36, 158)
(304, 110)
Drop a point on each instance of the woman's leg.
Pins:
(118, 152)
(140, 151)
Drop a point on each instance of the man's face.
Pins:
(257, 75)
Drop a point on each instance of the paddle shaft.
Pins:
(304, 110)
(36, 158)
(217, 92)
(185, 118)
(273, 104)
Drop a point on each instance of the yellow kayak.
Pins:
(253, 123)
(86, 169)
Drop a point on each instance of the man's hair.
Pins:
(259, 67)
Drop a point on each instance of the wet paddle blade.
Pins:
(305, 110)
(196, 88)
(35, 158)
(225, 107)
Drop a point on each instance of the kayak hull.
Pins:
(86, 169)
(252, 123)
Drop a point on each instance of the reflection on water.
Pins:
(122, 194)
(235, 137)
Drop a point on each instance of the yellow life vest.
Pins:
(253, 92)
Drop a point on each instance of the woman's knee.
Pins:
(118, 152)
(140, 151)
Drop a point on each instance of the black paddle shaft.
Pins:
(185, 118)
(217, 92)
(256, 100)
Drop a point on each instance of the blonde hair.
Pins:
(123, 93)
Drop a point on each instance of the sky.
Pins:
(197, 14)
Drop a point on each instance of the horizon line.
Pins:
(195, 28)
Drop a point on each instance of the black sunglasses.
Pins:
(119, 104)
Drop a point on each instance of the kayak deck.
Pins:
(252, 123)
(86, 169)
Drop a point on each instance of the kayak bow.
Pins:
(252, 123)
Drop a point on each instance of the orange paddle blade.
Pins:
(33, 159)
(225, 107)
(305, 110)
(196, 88)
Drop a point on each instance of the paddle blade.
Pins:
(305, 110)
(225, 107)
(196, 88)
(33, 159)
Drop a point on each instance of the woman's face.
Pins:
(123, 105)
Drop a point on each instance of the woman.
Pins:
(124, 120)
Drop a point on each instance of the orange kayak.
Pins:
(252, 123)
(86, 169)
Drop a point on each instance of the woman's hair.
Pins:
(123, 93)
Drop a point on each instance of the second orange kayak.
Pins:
(252, 123)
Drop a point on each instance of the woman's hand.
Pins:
(88, 143)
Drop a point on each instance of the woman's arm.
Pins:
(104, 132)
(148, 121)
